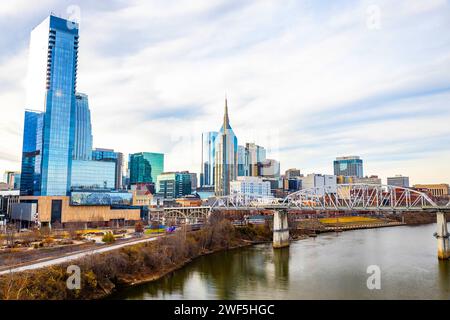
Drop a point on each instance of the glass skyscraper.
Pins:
(226, 157)
(51, 87)
(208, 154)
(241, 161)
(82, 149)
(348, 166)
(31, 153)
(145, 167)
(172, 185)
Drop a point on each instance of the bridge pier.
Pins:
(442, 236)
(280, 229)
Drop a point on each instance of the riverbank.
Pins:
(102, 274)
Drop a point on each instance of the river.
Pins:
(331, 266)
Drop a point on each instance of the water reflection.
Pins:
(327, 267)
(281, 265)
(444, 278)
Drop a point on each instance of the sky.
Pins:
(309, 80)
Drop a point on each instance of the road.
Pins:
(74, 256)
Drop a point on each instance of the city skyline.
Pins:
(395, 120)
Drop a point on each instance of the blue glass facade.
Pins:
(31, 153)
(348, 166)
(89, 174)
(145, 167)
(208, 155)
(59, 118)
(111, 156)
(104, 155)
(82, 149)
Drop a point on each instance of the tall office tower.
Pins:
(226, 157)
(51, 87)
(241, 161)
(254, 157)
(30, 179)
(208, 154)
(82, 149)
(348, 166)
(145, 167)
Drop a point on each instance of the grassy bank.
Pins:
(101, 274)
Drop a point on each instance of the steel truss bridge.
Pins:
(344, 198)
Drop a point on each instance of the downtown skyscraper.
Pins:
(51, 87)
(208, 156)
(226, 157)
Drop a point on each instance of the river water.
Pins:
(331, 266)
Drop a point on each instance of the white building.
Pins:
(321, 182)
(251, 186)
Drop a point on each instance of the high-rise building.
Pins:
(241, 161)
(145, 167)
(208, 154)
(398, 181)
(172, 185)
(82, 149)
(254, 157)
(51, 87)
(30, 183)
(194, 180)
(348, 166)
(109, 155)
(226, 157)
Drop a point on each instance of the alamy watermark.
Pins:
(373, 19)
(73, 282)
(374, 280)
(73, 16)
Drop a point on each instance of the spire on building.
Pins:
(226, 120)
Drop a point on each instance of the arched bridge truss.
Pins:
(344, 197)
(188, 214)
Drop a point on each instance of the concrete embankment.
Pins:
(364, 226)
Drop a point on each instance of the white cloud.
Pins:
(312, 79)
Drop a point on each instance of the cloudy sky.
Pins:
(310, 80)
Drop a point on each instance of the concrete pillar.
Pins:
(442, 236)
(280, 229)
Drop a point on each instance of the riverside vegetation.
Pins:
(101, 274)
